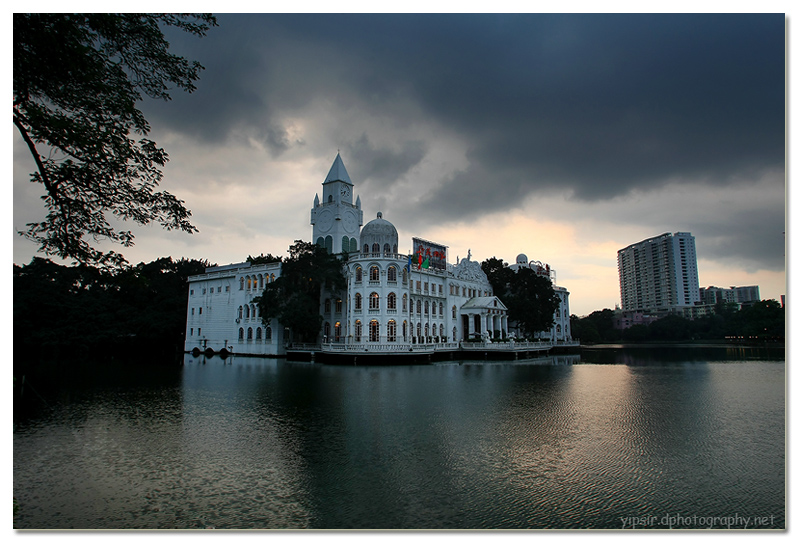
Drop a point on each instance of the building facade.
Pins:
(392, 301)
(659, 275)
(561, 330)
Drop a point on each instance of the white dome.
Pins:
(522, 259)
(379, 236)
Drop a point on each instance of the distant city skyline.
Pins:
(563, 137)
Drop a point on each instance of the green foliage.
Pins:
(294, 297)
(82, 310)
(762, 321)
(530, 298)
(77, 79)
(263, 259)
(596, 327)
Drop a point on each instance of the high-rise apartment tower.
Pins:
(659, 274)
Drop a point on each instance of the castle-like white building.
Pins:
(393, 302)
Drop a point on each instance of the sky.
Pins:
(565, 137)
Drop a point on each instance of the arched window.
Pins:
(255, 281)
(366, 249)
(419, 307)
(240, 312)
(427, 332)
(376, 248)
(433, 308)
(327, 305)
(253, 311)
(441, 333)
(405, 276)
(455, 333)
(249, 333)
(454, 312)
(419, 332)
(391, 274)
(441, 309)
(374, 331)
(391, 331)
(357, 302)
(358, 273)
(387, 249)
(405, 331)
(249, 283)
(247, 312)
(268, 334)
(405, 303)
(241, 333)
(358, 330)
(391, 301)
(330, 198)
(427, 310)
(374, 273)
(353, 245)
(337, 331)
(241, 284)
(374, 301)
(329, 244)
(321, 241)
(272, 277)
(326, 332)
(345, 244)
(258, 333)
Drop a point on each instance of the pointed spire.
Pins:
(358, 202)
(338, 172)
(316, 200)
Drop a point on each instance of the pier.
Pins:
(421, 353)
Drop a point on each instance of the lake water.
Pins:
(608, 439)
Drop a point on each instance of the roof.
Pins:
(485, 303)
(338, 172)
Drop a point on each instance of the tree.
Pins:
(77, 79)
(529, 297)
(294, 297)
(84, 311)
(263, 259)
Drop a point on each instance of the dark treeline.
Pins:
(82, 311)
(763, 321)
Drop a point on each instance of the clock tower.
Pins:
(336, 220)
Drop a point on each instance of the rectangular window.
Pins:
(200, 310)
(198, 331)
(227, 288)
(191, 331)
(191, 291)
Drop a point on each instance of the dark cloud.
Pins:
(595, 103)
(380, 166)
(593, 106)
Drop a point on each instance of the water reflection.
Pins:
(544, 443)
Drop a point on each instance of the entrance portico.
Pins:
(484, 316)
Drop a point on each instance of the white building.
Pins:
(393, 301)
(659, 275)
(561, 330)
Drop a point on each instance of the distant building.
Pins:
(626, 320)
(659, 275)
(735, 295)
